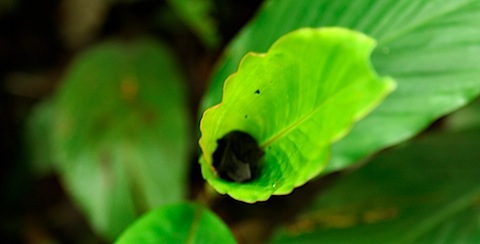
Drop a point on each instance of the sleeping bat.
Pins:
(237, 157)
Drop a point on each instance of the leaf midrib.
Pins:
(301, 120)
(195, 224)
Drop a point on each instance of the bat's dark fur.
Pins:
(237, 157)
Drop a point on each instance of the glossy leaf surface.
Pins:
(121, 132)
(295, 100)
(425, 192)
(180, 223)
(430, 47)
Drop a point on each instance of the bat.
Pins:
(237, 157)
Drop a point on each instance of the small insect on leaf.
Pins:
(237, 157)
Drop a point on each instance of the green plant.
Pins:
(308, 97)
(288, 99)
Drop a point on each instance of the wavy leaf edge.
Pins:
(209, 172)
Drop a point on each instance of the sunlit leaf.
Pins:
(121, 132)
(180, 223)
(424, 192)
(295, 100)
(431, 47)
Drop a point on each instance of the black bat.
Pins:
(237, 157)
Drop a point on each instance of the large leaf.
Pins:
(431, 47)
(121, 132)
(180, 223)
(425, 192)
(295, 100)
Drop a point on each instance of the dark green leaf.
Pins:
(431, 47)
(466, 118)
(180, 223)
(38, 137)
(287, 99)
(425, 192)
(196, 14)
(121, 132)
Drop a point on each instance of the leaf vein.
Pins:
(416, 25)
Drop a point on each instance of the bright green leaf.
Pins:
(196, 14)
(295, 100)
(180, 223)
(430, 47)
(425, 192)
(121, 132)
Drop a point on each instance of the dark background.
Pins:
(34, 54)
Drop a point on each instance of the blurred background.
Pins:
(39, 41)
(100, 103)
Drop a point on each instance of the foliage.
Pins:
(195, 14)
(297, 78)
(426, 190)
(179, 223)
(120, 138)
(429, 47)
(288, 99)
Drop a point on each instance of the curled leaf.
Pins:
(295, 100)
